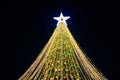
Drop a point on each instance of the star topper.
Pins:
(61, 19)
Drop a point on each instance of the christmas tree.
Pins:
(62, 59)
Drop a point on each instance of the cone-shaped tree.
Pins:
(62, 59)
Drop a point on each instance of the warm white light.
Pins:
(61, 19)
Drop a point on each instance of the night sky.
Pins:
(31, 24)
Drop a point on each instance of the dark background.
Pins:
(30, 25)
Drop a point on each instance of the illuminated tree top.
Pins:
(61, 19)
(62, 59)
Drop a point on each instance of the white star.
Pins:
(61, 19)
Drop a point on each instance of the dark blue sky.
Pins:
(31, 24)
